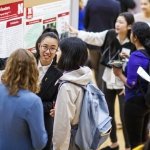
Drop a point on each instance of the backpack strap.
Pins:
(83, 86)
(139, 82)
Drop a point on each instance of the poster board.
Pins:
(39, 17)
(59, 11)
(11, 27)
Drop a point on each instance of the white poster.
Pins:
(11, 28)
(37, 18)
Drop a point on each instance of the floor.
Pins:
(119, 131)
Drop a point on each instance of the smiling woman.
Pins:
(46, 47)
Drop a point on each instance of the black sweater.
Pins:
(100, 15)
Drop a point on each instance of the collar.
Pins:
(40, 65)
(125, 41)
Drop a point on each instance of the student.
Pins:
(99, 15)
(21, 111)
(71, 57)
(136, 111)
(46, 47)
(117, 40)
(144, 16)
(81, 15)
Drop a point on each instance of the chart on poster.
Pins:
(11, 28)
(37, 18)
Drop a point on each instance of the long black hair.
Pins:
(74, 54)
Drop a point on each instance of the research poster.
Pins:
(11, 28)
(37, 18)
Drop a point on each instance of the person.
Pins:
(71, 57)
(99, 15)
(46, 48)
(118, 40)
(21, 112)
(81, 15)
(136, 111)
(144, 16)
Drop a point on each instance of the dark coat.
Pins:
(48, 94)
(100, 15)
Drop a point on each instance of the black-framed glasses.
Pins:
(51, 50)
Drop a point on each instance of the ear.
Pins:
(135, 38)
(129, 27)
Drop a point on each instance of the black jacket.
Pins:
(48, 94)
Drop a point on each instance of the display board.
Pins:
(37, 18)
(11, 27)
(21, 22)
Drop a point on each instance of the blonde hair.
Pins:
(81, 4)
(21, 72)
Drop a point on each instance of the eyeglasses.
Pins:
(51, 50)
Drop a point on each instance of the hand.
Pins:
(122, 92)
(124, 55)
(117, 71)
(71, 29)
(52, 112)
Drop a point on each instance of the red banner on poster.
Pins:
(34, 22)
(11, 11)
(49, 20)
(63, 14)
(13, 23)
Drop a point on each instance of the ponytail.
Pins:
(147, 44)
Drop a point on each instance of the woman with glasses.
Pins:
(46, 48)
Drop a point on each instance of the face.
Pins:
(121, 25)
(47, 49)
(145, 6)
(58, 54)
